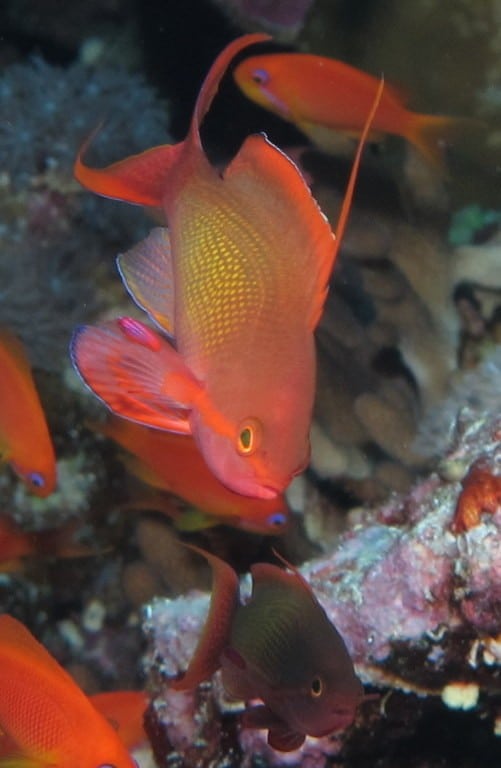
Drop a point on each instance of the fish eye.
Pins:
(260, 76)
(249, 435)
(317, 687)
(277, 520)
(36, 479)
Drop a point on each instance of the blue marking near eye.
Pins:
(277, 520)
(36, 479)
(260, 76)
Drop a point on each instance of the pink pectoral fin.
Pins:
(146, 271)
(136, 373)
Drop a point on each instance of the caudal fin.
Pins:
(432, 135)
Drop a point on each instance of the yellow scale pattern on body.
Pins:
(225, 276)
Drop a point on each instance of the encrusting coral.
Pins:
(417, 603)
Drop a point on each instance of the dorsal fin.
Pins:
(211, 83)
(215, 634)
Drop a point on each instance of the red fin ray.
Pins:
(135, 379)
(327, 267)
(215, 634)
(146, 270)
(211, 83)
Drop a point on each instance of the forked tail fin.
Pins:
(433, 134)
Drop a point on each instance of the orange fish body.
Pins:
(24, 436)
(173, 463)
(14, 544)
(238, 281)
(322, 96)
(45, 714)
(17, 544)
(125, 710)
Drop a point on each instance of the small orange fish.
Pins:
(24, 436)
(173, 463)
(279, 647)
(45, 714)
(16, 544)
(322, 96)
(239, 281)
(125, 711)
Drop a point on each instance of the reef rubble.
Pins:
(418, 604)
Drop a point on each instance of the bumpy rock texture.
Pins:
(418, 605)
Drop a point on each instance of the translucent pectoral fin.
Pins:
(146, 271)
(136, 373)
(280, 736)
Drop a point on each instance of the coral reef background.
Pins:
(409, 376)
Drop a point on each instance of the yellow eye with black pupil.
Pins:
(249, 437)
(316, 687)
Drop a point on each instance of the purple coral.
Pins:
(418, 606)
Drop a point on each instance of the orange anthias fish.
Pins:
(279, 647)
(44, 713)
(24, 436)
(323, 96)
(239, 281)
(17, 544)
(173, 463)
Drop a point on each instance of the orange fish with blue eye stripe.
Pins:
(45, 717)
(238, 282)
(25, 442)
(324, 97)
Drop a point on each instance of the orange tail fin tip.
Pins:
(141, 179)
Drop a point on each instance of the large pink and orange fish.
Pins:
(25, 441)
(238, 283)
(323, 96)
